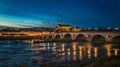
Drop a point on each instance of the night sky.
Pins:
(46, 13)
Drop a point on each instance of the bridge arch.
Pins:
(115, 39)
(98, 39)
(67, 37)
(57, 37)
(81, 37)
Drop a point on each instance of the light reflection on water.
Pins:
(59, 52)
(87, 51)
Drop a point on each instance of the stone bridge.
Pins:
(88, 35)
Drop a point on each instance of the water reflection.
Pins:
(74, 55)
(63, 47)
(80, 52)
(87, 51)
(48, 46)
(68, 54)
(74, 46)
(55, 51)
(68, 51)
(54, 47)
(116, 51)
(95, 52)
(108, 49)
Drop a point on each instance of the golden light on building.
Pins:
(37, 33)
(43, 33)
(76, 29)
(96, 52)
(63, 26)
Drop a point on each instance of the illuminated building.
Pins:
(63, 27)
(76, 29)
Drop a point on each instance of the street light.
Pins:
(96, 29)
(89, 28)
(116, 29)
(109, 28)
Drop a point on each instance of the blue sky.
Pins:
(46, 13)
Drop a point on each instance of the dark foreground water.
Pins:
(34, 55)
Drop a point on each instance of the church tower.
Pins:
(58, 24)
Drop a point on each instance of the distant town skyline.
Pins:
(46, 13)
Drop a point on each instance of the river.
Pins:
(35, 54)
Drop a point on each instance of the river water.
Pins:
(35, 54)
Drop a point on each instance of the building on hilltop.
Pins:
(66, 28)
(63, 27)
